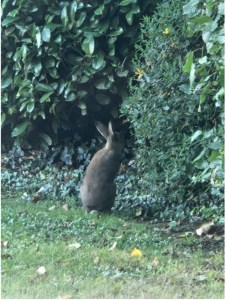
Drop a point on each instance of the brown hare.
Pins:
(98, 189)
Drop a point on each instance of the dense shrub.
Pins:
(64, 63)
(177, 119)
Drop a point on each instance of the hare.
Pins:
(98, 189)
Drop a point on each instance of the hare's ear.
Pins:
(110, 129)
(102, 129)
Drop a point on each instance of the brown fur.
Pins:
(98, 189)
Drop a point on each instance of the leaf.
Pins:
(126, 2)
(46, 138)
(30, 106)
(116, 32)
(46, 97)
(201, 278)
(43, 87)
(188, 64)
(20, 129)
(6, 81)
(3, 117)
(129, 17)
(65, 207)
(136, 253)
(71, 97)
(41, 270)
(52, 208)
(98, 61)
(24, 49)
(81, 19)
(88, 45)
(38, 37)
(221, 8)
(96, 260)
(192, 75)
(113, 246)
(155, 262)
(190, 7)
(201, 20)
(103, 26)
(66, 296)
(219, 94)
(172, 224)
(73, 10)
(74, 246)
(99, 10)
(201, 154)
(203, 60)
(214, 154)
(9, 20)
(138, 212)
(64, 16)
(46, 34)
(195, 135)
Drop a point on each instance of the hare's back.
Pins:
(104, 165)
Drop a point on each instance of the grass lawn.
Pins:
(89, 256)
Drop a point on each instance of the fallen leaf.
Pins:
(65, 207)
(65, 297)
(155, 262)
(119, 237)
(96, 259)
(126, 225)
(74, 246)
(201, 278)
(138, 212)
(183, 235)
(113, 246)
(41, 270)
(92, 224)
(52, 207)
(136, 252)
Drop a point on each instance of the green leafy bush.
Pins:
(177, 120)
(64, 64)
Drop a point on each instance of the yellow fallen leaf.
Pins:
(136, 252)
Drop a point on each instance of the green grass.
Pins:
(172, 266)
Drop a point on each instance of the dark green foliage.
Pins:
(177, 120)
(64, 64)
